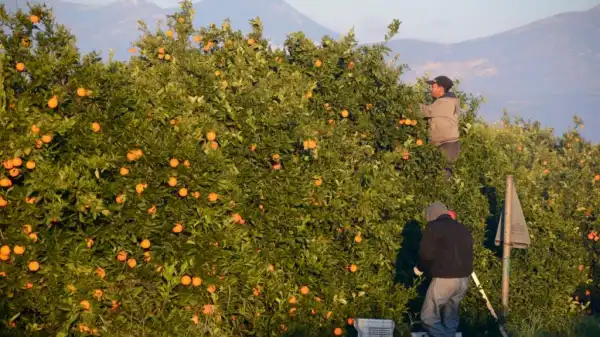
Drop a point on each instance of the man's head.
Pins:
(435, 210)
(440, 86)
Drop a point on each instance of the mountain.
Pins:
(548, 70)
(114, 25)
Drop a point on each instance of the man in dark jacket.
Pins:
(446, 252)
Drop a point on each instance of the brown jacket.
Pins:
(443, 119)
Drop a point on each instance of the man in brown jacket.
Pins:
(443, 116)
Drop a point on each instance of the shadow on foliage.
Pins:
(491, 222)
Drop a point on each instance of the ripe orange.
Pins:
(53, 102)
(344, 113)
(173, 162)
(337, 331)
(132, 263)
(597, 177)
(211, 288)
(100, 272)
(120, 199)
(292, 300)
(81, 92)
(196, 281)
(196, 194)
(17, 162)
(178, 228)
(353, 268)
(304, 290)
(3, 202)
(185, 280)
(187, 163)
(85, 305)
(170, 33)
(419, 142)
(98, 293)
(5, 250)
(357, 238)
(318, 182)
(172, 182)
(211, 136)
(145, 244)
(183, 192)
(351, 65)
(181, 20)
(132, 50)
(124, 171)
(35, 129)
(251, 42)
(96, 127)
(46, 138)
(350, 321)
(5, 182)
(34, 19)
(27, 229)
(19, 250)
(20, 66)
(212, 197)
(34, 266)
(318, 63)
(122, 256)
(30, 164)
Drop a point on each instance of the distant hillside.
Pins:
(547, 70)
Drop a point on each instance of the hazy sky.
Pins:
(435, 20)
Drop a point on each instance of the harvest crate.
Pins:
(374, 327)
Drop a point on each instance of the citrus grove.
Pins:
(213, 185)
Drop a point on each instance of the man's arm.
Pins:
(438, 108)
(426, 250)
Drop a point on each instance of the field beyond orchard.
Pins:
(214, 186)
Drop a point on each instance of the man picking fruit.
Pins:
(446, 252)
(442, 115)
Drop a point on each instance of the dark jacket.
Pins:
(446, 249)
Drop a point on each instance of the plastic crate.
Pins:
(374, 327)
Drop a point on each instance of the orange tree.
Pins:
(215, 185)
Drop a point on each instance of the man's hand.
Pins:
(417, 271)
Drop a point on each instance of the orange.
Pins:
(124, 171)
(131, 263)
(4, 257)
(208, 309)
(172, 182)
(350, 321)
(357, 238)
(5, 250)
(27, 229)
(100, 272)
(211, 136)
(89, 243)
(318, 182)
(167, 57)
(53, 102)
(3, 202)
(419, 142)
(122, 256)
(186, 280)
(8, 164)
(597, 177)
(304, 290)
(170, 33)
(337, 331)
(173, 162)
(34, 266)
(19, 250)
(212, 197)
(181, 20)
(318, 63)
(187, 163)
(20, 66)
(98, 293)
(292, 300)
(196, 194)
(251, 42)
(5, 182)
(211, 288)
(46, 138)
(214, 145)
(161, 50)
(345, 113)
(34, 19)
(178, 228)
(81, 92)
(14, 172)
(35, 129)
(353, 268)
(30, 164)
(145, 244)
(183, 192)
(139, 188)
(85, 305)
(132, 50)
(120, 199)
(96, 127)
(196, 281)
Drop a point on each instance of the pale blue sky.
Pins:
(434, 20)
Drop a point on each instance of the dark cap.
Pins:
(443, 81)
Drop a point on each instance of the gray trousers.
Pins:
(451, 152)
(439, 315)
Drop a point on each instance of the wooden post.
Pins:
(507, 244)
